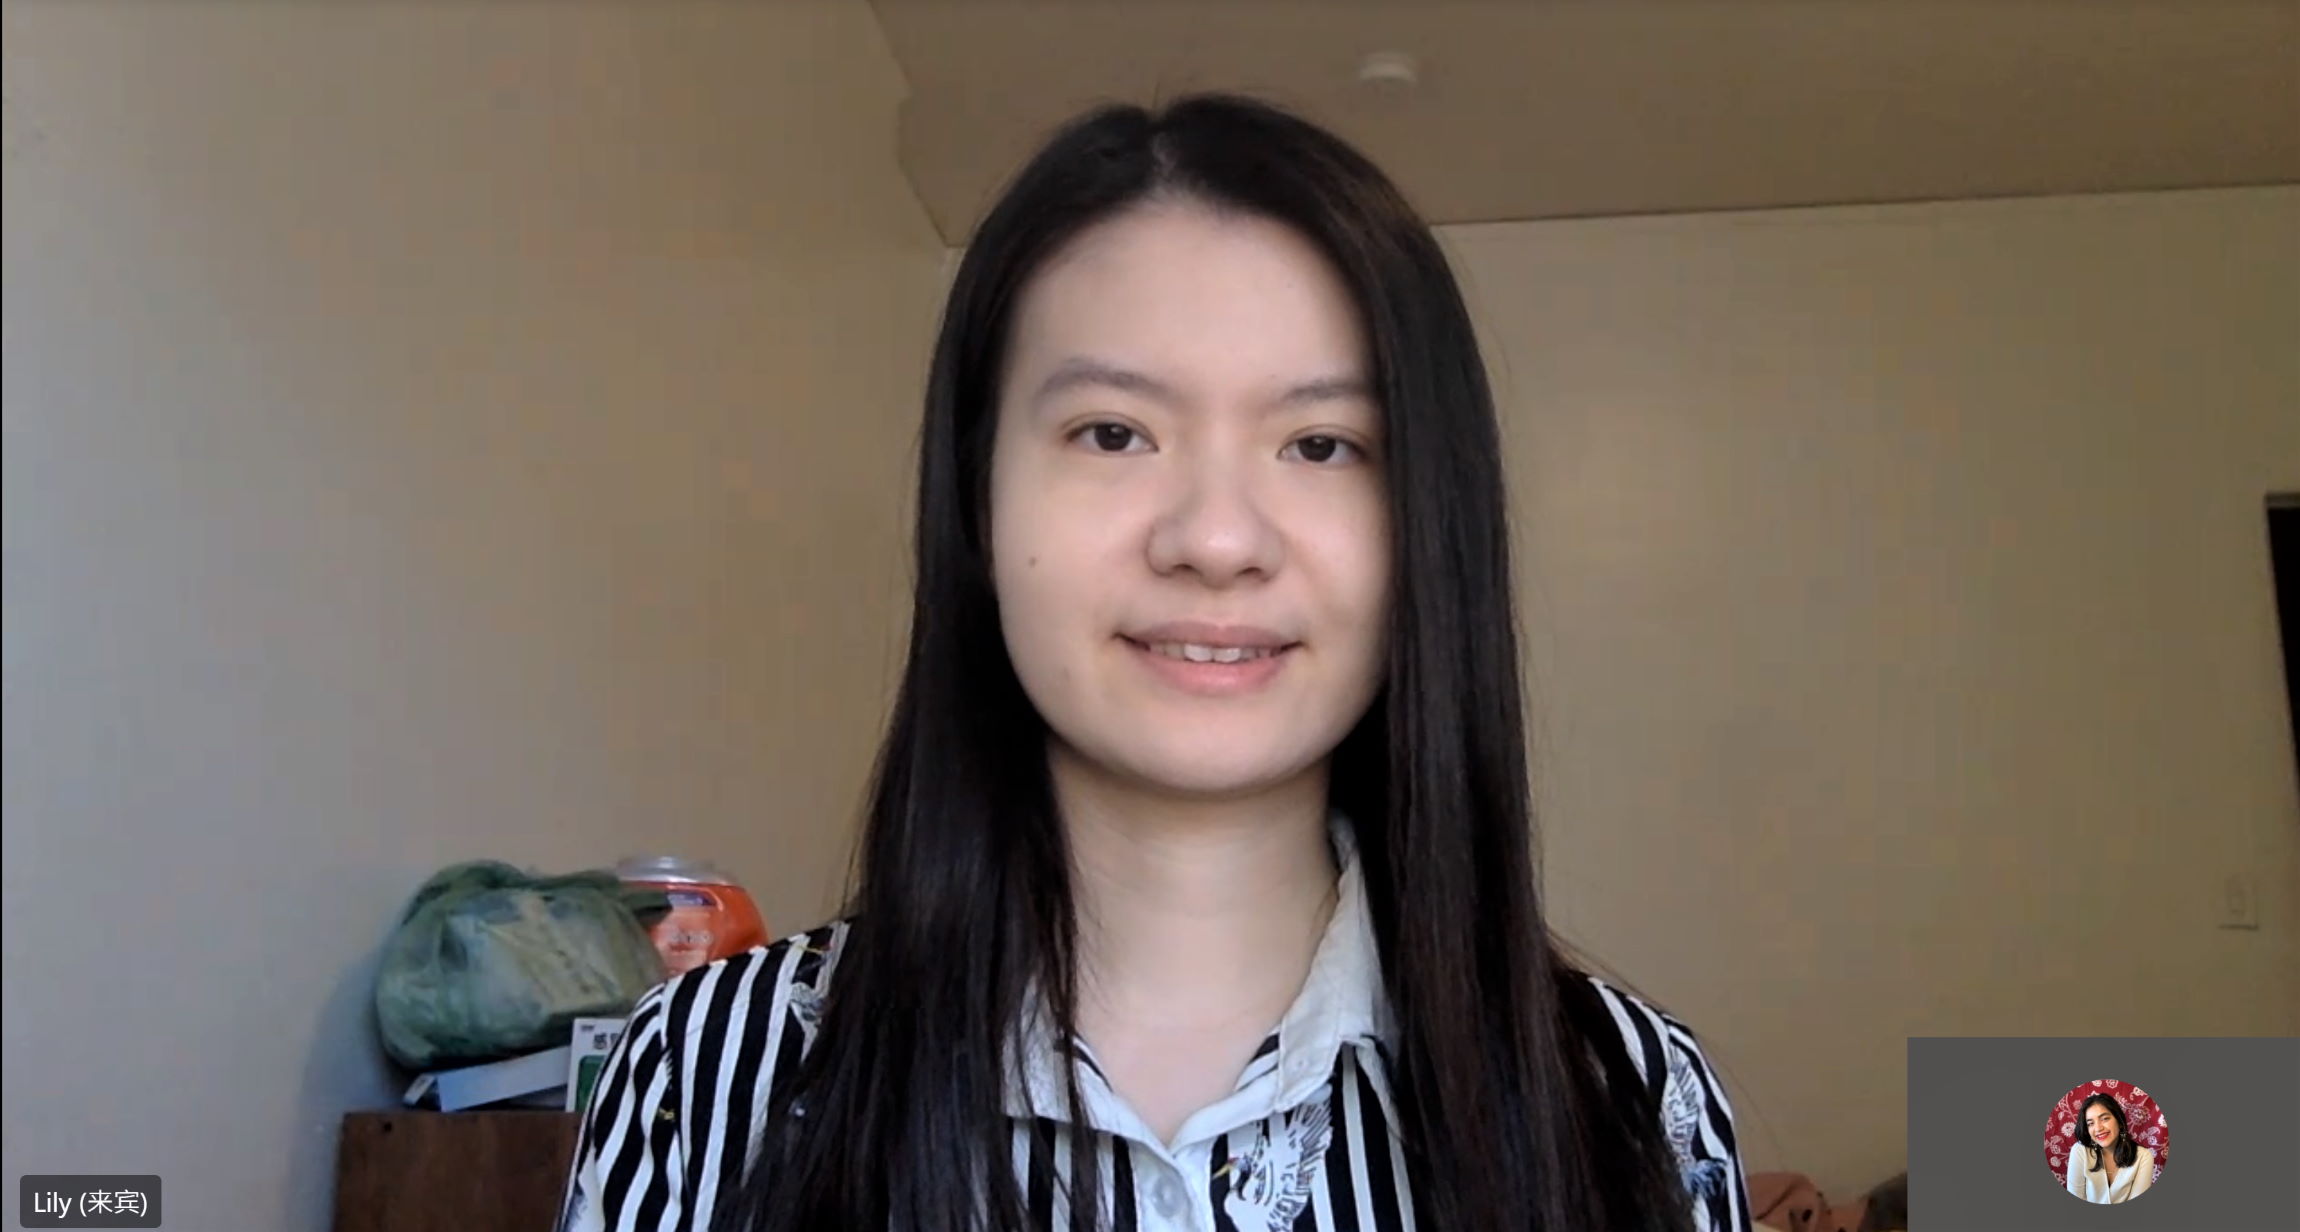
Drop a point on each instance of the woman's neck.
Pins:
(1194, 913)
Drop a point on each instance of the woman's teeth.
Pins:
(1196, 653)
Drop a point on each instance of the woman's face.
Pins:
(2100, 1124)
(1188, 527)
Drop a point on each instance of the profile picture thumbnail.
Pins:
(2106, 1141)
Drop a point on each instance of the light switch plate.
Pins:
(2239, 905)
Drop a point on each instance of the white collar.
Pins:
(1342, 1002)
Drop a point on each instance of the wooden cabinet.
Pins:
(411, 1171)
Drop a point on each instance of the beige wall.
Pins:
(1903, 649)
(433, 431)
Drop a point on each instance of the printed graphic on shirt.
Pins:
(807, 1011)
(1266, 1186)
(1682, 1112)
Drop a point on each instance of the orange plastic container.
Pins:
(711, 917)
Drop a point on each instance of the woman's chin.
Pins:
(1213, 772)
(1212, 761)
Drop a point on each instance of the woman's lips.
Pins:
(1211, 679)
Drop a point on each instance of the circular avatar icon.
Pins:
(2106, 1141)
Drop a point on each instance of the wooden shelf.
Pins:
(412, 1171)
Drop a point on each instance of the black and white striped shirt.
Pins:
(1302, 1142)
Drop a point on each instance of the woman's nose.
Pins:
(1216, 526)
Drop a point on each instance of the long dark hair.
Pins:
(1516, 1108)
(2124, 1148)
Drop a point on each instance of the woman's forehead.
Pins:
(1183, 294)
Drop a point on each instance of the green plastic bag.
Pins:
(490, 961)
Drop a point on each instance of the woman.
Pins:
(2108, 1166)
(1196, 887)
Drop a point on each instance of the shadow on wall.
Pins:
(345, 1069)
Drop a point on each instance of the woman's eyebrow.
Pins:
(1328, 389)
(1079, 372)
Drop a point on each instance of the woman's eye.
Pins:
(1323, 449)
(1110, 437)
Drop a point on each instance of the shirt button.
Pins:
(1168, 1197)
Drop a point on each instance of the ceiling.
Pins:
(1564, 108)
